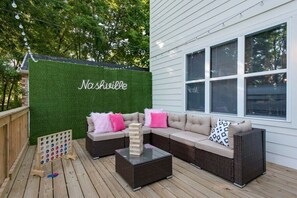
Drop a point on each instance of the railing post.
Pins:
(13, 143)
(7, 147)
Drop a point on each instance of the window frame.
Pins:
(241, 75)
(186, 82)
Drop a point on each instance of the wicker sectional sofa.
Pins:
(187, 138)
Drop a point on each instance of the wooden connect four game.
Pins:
(52, 147)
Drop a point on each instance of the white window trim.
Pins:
(186, 82)
(207, 80)
(241, 74)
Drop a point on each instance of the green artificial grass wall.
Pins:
(57, 103)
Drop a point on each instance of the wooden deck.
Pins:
(85, 177)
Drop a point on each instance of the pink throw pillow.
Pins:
(117, 122)
(159, 120)
(147, 115)
(102, 122)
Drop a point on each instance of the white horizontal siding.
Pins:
(168, 92)
(207, 12)
(165, 10)
(171, 74)
(172, 64)
(167, 67)
(168, 108)
(167, 97)
(183, 28)
(180, 11)
(281, 160)
(213, 13)
(161, 81)
(176, 85)
(167, 86)
(174, 26)
(280, 149)
(281, 139)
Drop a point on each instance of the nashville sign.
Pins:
(114, 85)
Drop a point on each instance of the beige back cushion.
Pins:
(141, 118)
(130, 118)
(235, 128)
(213, 121)
(177, 121)
(91, 127)
(198, 124)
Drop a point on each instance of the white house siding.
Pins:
(179, 27)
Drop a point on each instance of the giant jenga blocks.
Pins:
(136, 139)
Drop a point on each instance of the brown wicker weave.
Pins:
(182, 151)
(216, 164)
(249, 155)
(144, 173)
(103, 148)
(248, 163)
(160, 142)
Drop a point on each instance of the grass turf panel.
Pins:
(56, 103)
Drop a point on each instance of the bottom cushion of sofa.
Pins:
(105, 136)
(215, 148)
(165, 132)
(188, 138)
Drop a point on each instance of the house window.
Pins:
(261, 83)
(224, 59)
(266, 95)
(195, 96)
(224, 96)
(224, 91)
(266, 61)
(195, 81)
(267, 50)
(196, 66)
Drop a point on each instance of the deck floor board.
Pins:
(86, 177)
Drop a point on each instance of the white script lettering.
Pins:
(114, 85)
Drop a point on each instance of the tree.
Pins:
(107, 31)
(9, 79)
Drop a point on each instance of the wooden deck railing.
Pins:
(14, 136)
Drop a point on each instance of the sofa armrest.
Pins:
(249, 155)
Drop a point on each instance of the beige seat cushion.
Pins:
(177, 121)
(188, 138)
(198, 124)
(145, 130)
(130, 118)
(165, 132)
(216, 148)
(105, 136)
(91, 127)
(243, 126)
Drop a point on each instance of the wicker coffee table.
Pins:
(153, 165)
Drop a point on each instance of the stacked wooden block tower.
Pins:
(136, 139)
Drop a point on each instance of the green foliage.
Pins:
(9, 86)
(267, 50)
(57, 104)
(104, 31)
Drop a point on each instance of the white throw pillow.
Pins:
(219, 133)
(102, 122)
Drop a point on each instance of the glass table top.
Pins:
(149, 153)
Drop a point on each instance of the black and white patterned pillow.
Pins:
(220, 132)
